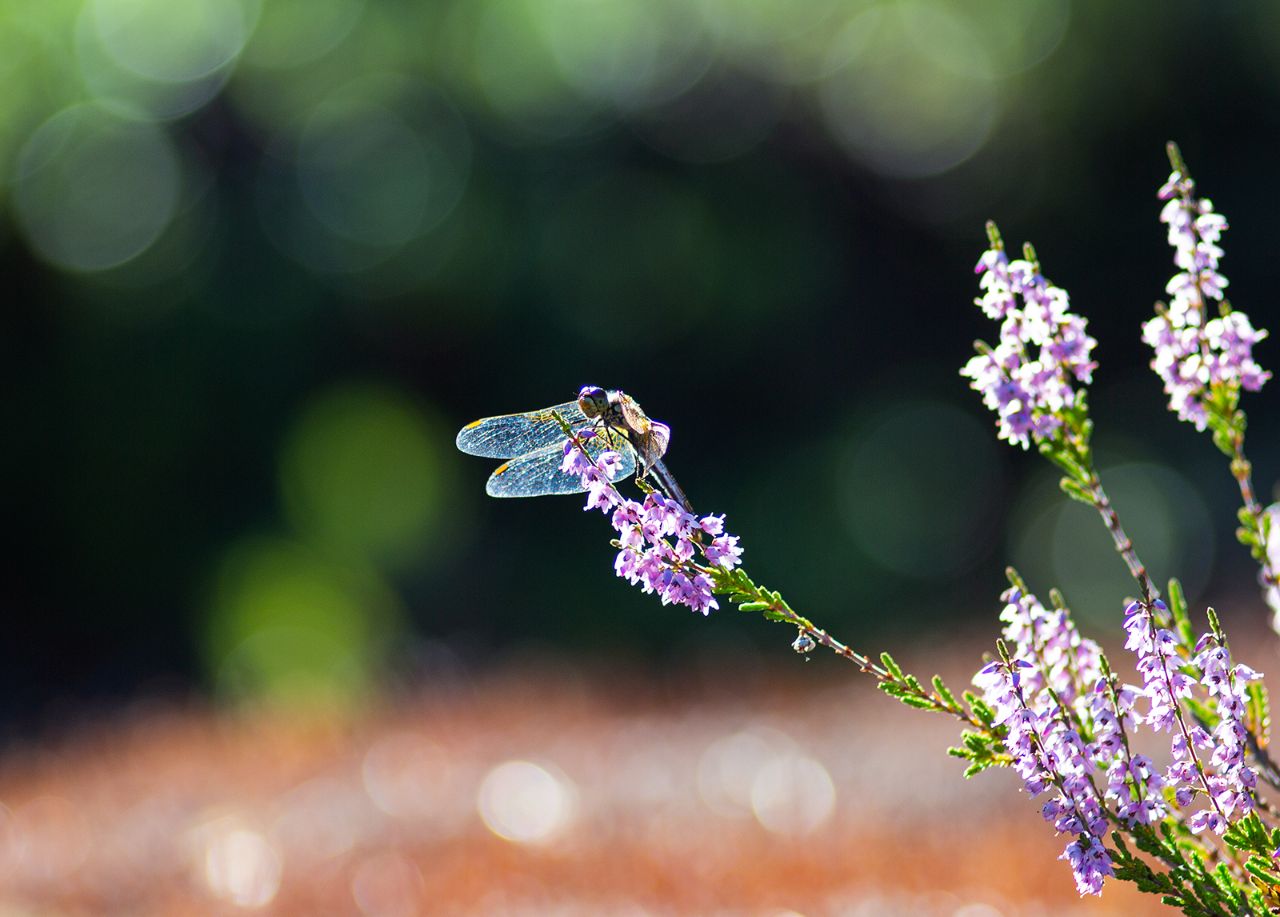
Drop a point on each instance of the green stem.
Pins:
(1242, 471)
(784, 612)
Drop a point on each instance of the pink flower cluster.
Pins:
(1234, 782)
(1194, 352)
(1054, 690)
(1048, 752)
(1042, 705)
(1067, 660)
(1043, 351)
(1203, 762)
(658, 540)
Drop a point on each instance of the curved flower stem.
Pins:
(1124, 545)
(728, 579)
(1134, 783)
(1177, 715)
(781, 611)
(1242, 471)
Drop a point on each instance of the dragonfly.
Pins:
(533, 443)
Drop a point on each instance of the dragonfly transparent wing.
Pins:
(538, 473)
(513, 435)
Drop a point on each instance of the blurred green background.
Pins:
(264, 257)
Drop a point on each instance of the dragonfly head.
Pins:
(593, 400)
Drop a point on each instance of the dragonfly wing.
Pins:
(654, 446)
(650, 436)
(512, 435)
(538, 473)
(636, 420)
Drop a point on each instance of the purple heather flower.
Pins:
(1233, 784)
(1028, 378)
(658, 539)
(1207, 818)
(1069, 660)
(1133, 784)
(1272, 514)
(1164, 682)
(1090, 863)
(724, 551)
(1048, 752)
(1192, 351)
(1200, 761)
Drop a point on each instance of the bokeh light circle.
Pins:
(631, 55)
(173, 42)
(368, 176)
(793, 795)
(918, 488)
(360, 472)
(513, 68)
(910, 89)
(524, 802)
(1059, 542)
(606, 49)
(110, 83)
(294, 32)
(94, 189)
(241, 866)
(294, 625)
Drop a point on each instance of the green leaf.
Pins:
(944, 692)
(1015, 580)
(920, 703)
(891, 666)
(754, 606)
(1076, 491)
(979, 708)
(1256, 902)
(1258, 712)
(1202, 712)
(1178, 609)
(977, 767)
(1215, 626)
(1258, 867)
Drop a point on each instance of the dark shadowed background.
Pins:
(264, 257)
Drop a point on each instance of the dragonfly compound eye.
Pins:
(593, 400)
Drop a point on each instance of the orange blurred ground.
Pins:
(540, 789)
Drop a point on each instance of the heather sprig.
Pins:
(1204, 360)
(1043, 399)
(687, 560)
(1052, 708)
(1034, 376)
(1067, 721)
(1048, 752)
